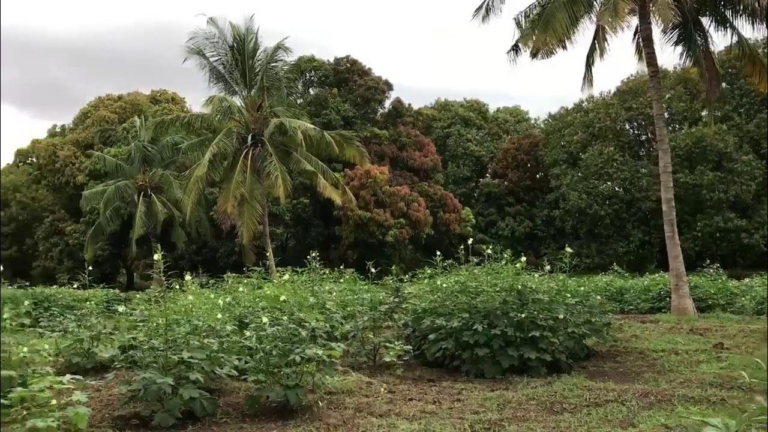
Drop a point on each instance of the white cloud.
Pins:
(17, 130)
(76, 50)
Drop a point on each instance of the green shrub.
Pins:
(56, 308)
(32, 396)
(487, 322)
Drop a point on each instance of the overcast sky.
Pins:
(58, 55)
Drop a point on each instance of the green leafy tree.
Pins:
(141, 196)
(252, 138)
(342, 93)
(511, 203)
(44, 219)
(467, 134)
(547, 27)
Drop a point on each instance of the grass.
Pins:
(655, 373)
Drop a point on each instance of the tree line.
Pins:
(296, 155)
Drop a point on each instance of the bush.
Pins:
(33, 397)
(56, 308)
(487, 322)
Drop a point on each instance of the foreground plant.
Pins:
(33, 397)
(498, 321)
(755, 416)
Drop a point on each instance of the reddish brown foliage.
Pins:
(520, 165)
(412, 156)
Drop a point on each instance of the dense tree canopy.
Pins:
(584, 176)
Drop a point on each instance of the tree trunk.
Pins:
(682, 303)
(267, 241)
(130, 276)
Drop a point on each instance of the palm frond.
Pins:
(140, 223)
(245, 47)
(597, 50)
(209, 168)
(638, 44)
(327, 182)
(272, 73)
(113, 190)
(210, 49)
(190, 123)
(95, 236)
(159, 214)
(237, 183)
(547, 27)
(250, 212)
(226, 110)
(690, 36)
(178, 236)
(115, 168)
(274, 171)
(488, 9)
(337, 144)
(752, 63)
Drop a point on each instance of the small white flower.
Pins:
(438, 253)
(598, 297)
(241, 289)
(373, 270)
(157, 257)
(218, 316)
(1, 267)
(547, 268)
(523, 259)
(470, 240)
(286, 277)
(74, 285)
(560, 316)
(189, 297)
(265, 320)
(212, 296)
(25, 349)
(187, 277)
(568, 249)
(282, 298)
(46, 346)
(26, 302)
(53, 402)
(121, 308)
(522, 316)
(176, 286)
(90, 268)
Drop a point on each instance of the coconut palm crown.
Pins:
(253, 140)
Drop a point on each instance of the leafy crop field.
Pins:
(492, 347)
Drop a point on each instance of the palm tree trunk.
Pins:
(267, 241)
(130, 276)
(682, 303)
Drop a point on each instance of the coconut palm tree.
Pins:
(546, 27)
(141, 194)
(252, 138)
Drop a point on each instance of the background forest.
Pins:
(584, 177)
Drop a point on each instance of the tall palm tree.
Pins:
(252, 138)
(547, 27)
(141, 191)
